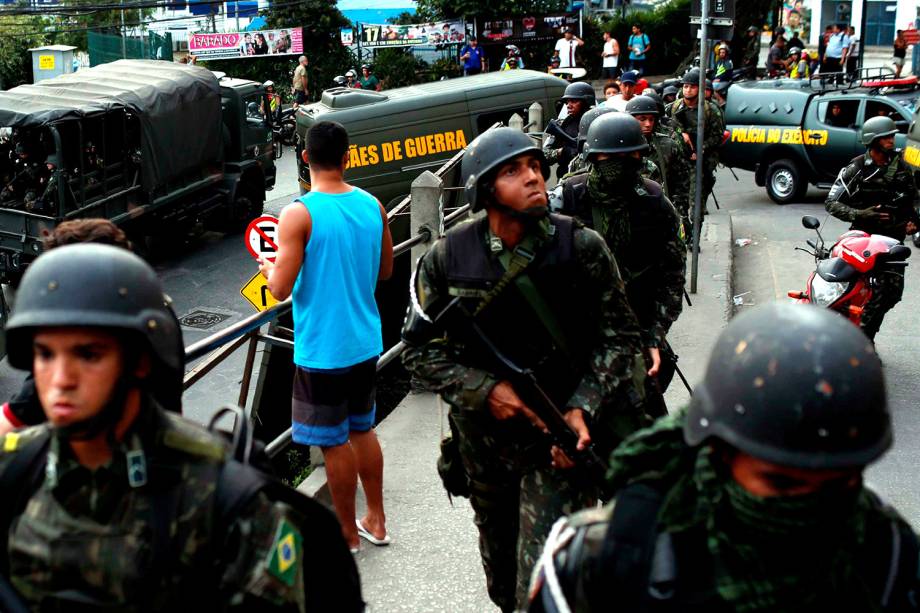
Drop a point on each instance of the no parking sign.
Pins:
(261, 238)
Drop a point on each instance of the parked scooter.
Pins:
(844, 275)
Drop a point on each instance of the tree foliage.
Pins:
(449, 9)
(20, 33)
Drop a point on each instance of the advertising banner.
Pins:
(437, 33)
(287, 41)
(527, 29)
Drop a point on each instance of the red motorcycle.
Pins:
(844, 275)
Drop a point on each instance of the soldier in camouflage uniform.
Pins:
(547, 292)
(683, 113)
(117, 504)
(667, 155)
(579, 98)
(753, 500)
(751, 56)
(877, 194)
(643, 231)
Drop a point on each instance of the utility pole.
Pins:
(124, 32)
(700, 130)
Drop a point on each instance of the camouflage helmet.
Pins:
(93, 285)
(642, 105)
(486, 153)
(615, 133)
(587, 119)
(581, 91)
(876, 128)
(794, 385)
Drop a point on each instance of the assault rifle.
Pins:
(562, 137)
(527, 387)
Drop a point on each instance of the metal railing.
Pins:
(426, 207)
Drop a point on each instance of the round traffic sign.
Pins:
(261, 238)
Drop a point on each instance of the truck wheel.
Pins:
(246, 207)
(784, 182)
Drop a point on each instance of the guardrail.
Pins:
(427, 203)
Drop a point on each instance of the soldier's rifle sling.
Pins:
(676, 367)
(715, 200)
(687, 297)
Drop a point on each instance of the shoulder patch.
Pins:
(17, 439)
(192, 439)
(285, 553)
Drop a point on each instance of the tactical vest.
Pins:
(651, 217)
(510, 321)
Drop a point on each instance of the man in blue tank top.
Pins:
(333, 246)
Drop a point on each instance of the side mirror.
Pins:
(811, 222)
(898, 253)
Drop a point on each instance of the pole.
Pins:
(124, 32)
(862, 36)
(358, 41)
(700, 129)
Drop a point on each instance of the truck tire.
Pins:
(784, 182)
(244, 209)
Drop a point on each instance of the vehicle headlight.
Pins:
(824, 293)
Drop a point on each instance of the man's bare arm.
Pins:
(386, 249)
(294, 229)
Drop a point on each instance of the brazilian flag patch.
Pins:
(285, 553)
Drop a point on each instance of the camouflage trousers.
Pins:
(885, 294)
(516, 496)
(709, 182)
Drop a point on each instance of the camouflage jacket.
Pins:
(687, 573)
(144, 532)
(674, 169)
(614, 361)
(862, 185)
(684, 120)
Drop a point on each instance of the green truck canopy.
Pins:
(178, 107)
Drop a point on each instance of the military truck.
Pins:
(795, 133)
(156, 147)
(399, 133)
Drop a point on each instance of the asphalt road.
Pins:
(769, 267)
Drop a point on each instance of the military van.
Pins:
(399, 133)
(795, 133)
(156, 147)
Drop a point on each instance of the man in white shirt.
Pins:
(627, 91)
(566, 48)
(611, 57)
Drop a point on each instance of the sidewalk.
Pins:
(433, 563)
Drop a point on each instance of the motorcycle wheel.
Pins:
(288, 135)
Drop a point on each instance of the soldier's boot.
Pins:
(546, 495)
(496, 515)
(886, 293)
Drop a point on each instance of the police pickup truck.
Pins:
(795, 133)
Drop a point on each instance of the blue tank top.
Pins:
(336, 321)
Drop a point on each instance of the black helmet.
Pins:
(876, 128)
(97, 286)
(489, 150)
(581, 91)
(642, 105)
(615, 133)
(793, 385)
(670, 90)
(692, 77)
(587, 119)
